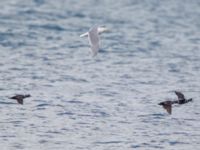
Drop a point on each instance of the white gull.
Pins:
(93, 37)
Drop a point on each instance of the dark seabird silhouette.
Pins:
(20, 98)
(167, 105)
(181, 100)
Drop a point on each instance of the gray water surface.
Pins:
(108, 102)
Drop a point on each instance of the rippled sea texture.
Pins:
(109, 102)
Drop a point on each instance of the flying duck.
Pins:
(181, 100)
(20, 98)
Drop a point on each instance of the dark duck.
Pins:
(20, 98)
(181, 100)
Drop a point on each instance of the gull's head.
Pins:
(102, 29)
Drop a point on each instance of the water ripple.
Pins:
(103, 102)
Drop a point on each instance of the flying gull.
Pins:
(93, 37)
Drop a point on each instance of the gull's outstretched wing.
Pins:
(102, 29)
(84, 34)
(94, 49)
(93, 37)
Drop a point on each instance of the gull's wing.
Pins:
(94, 49)
(102, 29)
(93, 37)
(180, 95)
(84, 34)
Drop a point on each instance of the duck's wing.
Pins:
(93, 38)
(20, 101)
(168, 108)
(180, 95)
